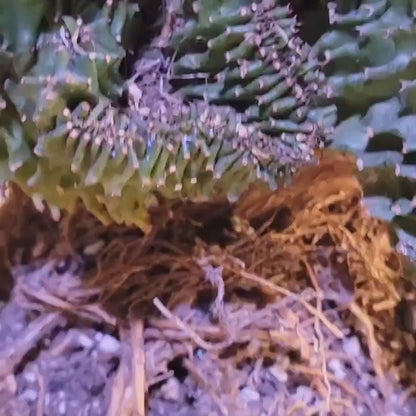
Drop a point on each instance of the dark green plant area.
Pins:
(238, 92)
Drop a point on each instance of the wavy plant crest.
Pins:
(69, 134)
(248, 55)
(369, 58)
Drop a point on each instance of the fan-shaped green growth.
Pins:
(81, 53)
(369, 59)
(22, 22)
(115, 160)
(64, 138)
(384, 138)
(247, 54)
(385, 144)
(369, 49)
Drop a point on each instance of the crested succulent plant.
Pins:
(65, 137)
(384, 134)
(24, 21)
(383, 142)
(74, 59)
(78, 53)
(368, 56)
(246, 54)
(254, 112)
(74, 62)
(369, 48)
(115, 160)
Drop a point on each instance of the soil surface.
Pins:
(291, 311)
(56, 363)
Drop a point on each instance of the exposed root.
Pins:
(138, 365)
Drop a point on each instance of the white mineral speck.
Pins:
(249, 395)
(374, 393)
(30, 395)
(279, 374)
(30, 377)
(337, 368)
(109, 344)
(304, 394)
(85, 341)
(62, 408)
(171, 390)
(351, 347)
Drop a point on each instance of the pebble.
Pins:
(108, 344)
(304, 394)
(351, 347)
(30, 377)
(374, 393)
(85, 341)
(30, 395)
(62, 408)
(171, 390)
(279, 374)
(337, 368)
(144, 111)
(248, 394)
(364, 382)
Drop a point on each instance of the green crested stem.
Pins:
(367, 51)
(106, 156)
(383, 142)
(248, 55)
